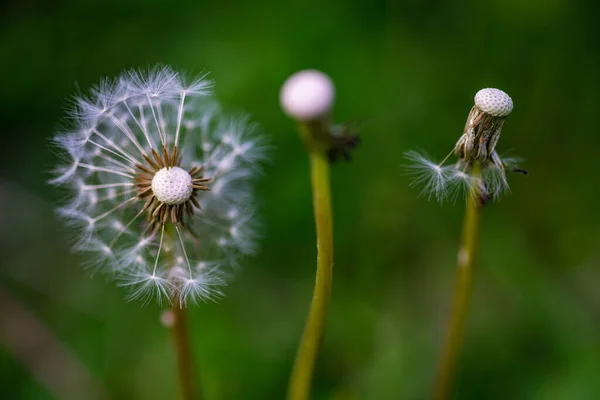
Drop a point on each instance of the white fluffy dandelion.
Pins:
(477, 146)
(161, 184)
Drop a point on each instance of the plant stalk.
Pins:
(181, 338)
(183, 350)
(462, 293)
(301, 378)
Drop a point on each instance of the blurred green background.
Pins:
(409, 70)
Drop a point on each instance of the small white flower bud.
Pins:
(307, 95)
(494, 102)
(172, 185)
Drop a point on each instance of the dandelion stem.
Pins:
(462, 294)
(183, 349)
(300, 382)
(181, 338)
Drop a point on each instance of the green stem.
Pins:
(183, 349)
(300, 382)
(181, 339)
(462, 293)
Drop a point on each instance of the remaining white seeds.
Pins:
(494, 102)
(477, 145)
(172, 185)
(307, 95)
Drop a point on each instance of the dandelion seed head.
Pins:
(494, 102)
(479, 171)
(154, 168)
(307, 95)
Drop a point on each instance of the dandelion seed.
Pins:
(434, 176)
(155, 170)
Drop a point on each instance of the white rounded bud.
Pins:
(307, 95)
(172, 185)
(494, 102)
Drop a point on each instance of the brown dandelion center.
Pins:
(169, 190)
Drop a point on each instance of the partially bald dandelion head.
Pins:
(493, 102)
(161, 184)
(477, 146)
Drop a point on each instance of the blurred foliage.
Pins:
(408, 70)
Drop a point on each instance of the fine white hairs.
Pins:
(307, 95)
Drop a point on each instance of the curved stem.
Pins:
(300, 382)
(183, 349)
(462, 293)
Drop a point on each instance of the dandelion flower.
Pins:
(161, 184)
(477, 145)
